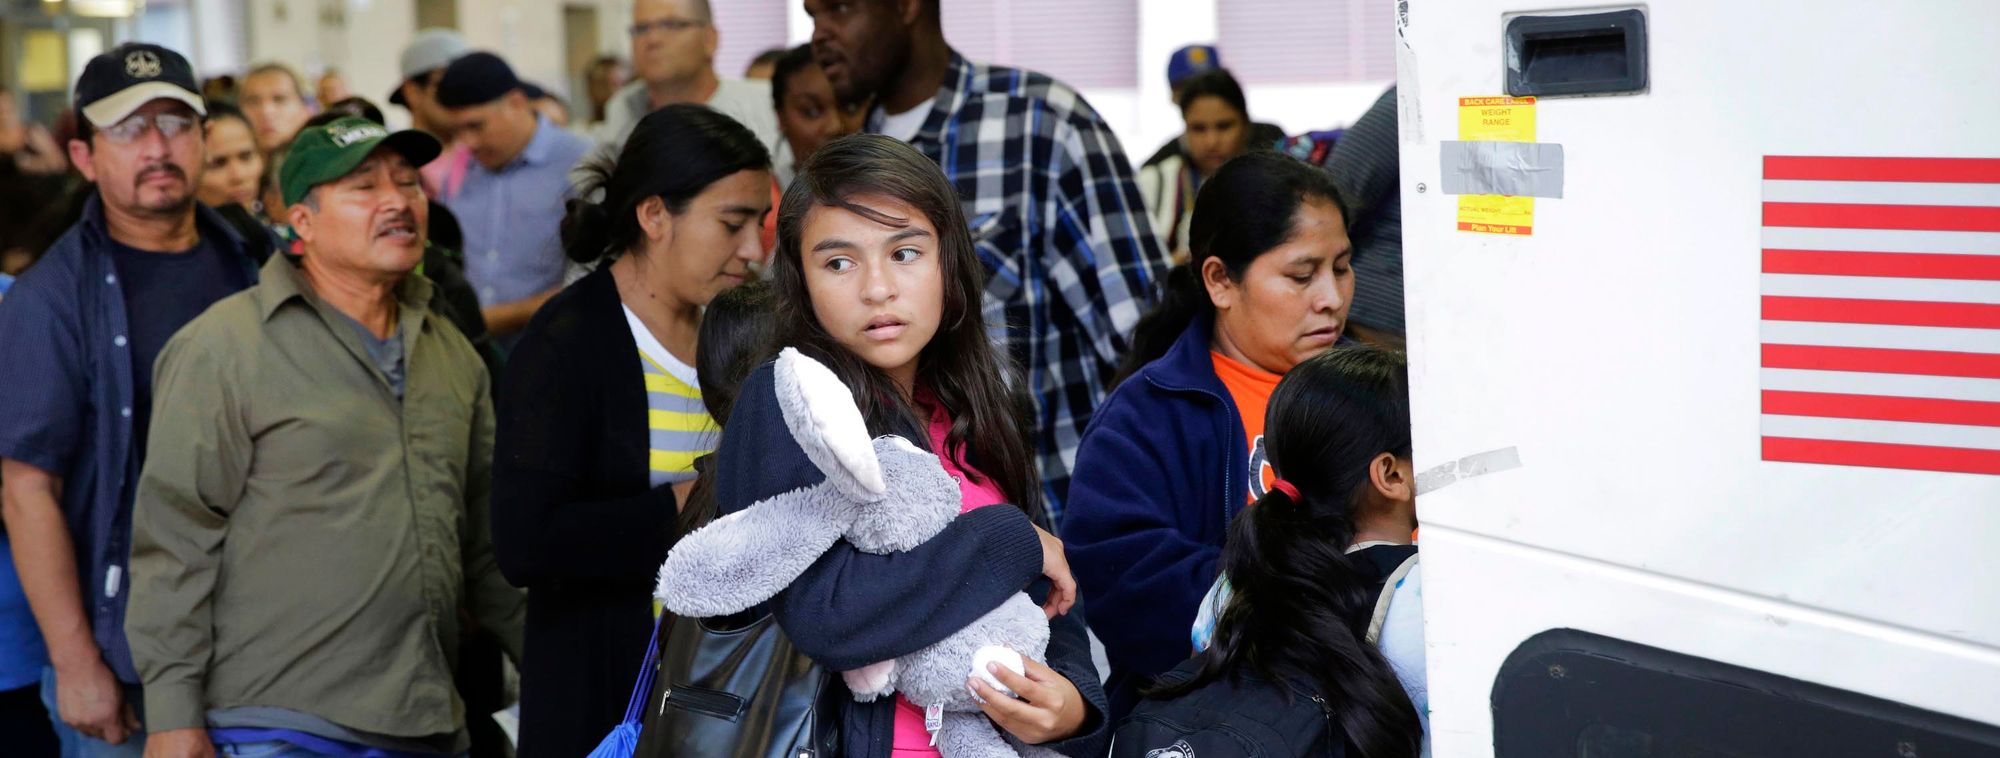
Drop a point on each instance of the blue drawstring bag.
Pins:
(624, 738)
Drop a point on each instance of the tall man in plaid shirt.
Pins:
(1071, 259)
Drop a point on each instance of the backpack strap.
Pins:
(1381, 614)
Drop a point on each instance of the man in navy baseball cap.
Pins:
(507, 200)
(83, 327)
(126, 96)
(489, 107)
(118, 82)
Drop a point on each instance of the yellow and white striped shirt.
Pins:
(677, 422)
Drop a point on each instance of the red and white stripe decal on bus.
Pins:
(1881, 312)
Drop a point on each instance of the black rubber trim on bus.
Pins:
(1566, 692)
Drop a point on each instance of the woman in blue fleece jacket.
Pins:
(877, 279)
(1169, 459)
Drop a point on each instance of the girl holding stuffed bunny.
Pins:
(877, 279)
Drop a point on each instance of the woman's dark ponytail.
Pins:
(585, 230)
(1242, 212)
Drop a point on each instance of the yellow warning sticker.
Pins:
(1496, 119)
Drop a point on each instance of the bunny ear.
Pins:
(748, 557)
(820, 411)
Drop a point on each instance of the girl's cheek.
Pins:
(931, 313)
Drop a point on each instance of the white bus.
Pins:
(1704, 324)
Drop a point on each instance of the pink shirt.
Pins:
(910, 738)
(445, 173)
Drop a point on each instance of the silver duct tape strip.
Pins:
(1477, 464)
(1521, 169)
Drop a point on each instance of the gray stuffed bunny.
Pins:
(883, 496)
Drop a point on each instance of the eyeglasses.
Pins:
(665, 25)
(170, 125)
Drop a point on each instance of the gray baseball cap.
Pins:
(430, 50)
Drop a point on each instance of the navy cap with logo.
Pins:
(120, 80)
(1191, 60)
(476, 79)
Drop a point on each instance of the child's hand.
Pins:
(1056, 567)
(1049, 708)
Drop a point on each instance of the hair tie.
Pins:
(1286, 487)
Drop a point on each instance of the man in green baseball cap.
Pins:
(353, 196)
(372, 437)
(327, 153)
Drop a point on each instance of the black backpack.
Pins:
(1250, 717)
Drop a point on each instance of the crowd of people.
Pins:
(313, 427)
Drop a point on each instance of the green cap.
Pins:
(324, 153)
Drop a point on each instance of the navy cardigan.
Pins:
(850, 609)
(1154, 489)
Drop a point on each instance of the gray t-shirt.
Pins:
(386, 353)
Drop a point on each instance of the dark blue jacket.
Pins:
(1161, 472)
(850, 608)
(68, 404)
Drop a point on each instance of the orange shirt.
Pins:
(1251, 388)
(769, 236)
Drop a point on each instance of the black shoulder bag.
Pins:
(739, 692)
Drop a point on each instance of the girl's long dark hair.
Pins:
(673, 154)
(1247, 208)
(959, 367)
(737, 330)
(1299, 606)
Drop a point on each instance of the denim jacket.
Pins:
(67, 408)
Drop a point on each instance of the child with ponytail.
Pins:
(1311, 575)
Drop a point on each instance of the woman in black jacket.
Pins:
(599, 421)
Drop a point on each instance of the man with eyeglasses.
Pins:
(673, 61)
(81, 330)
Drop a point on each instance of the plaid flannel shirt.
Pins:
(1071, 260)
